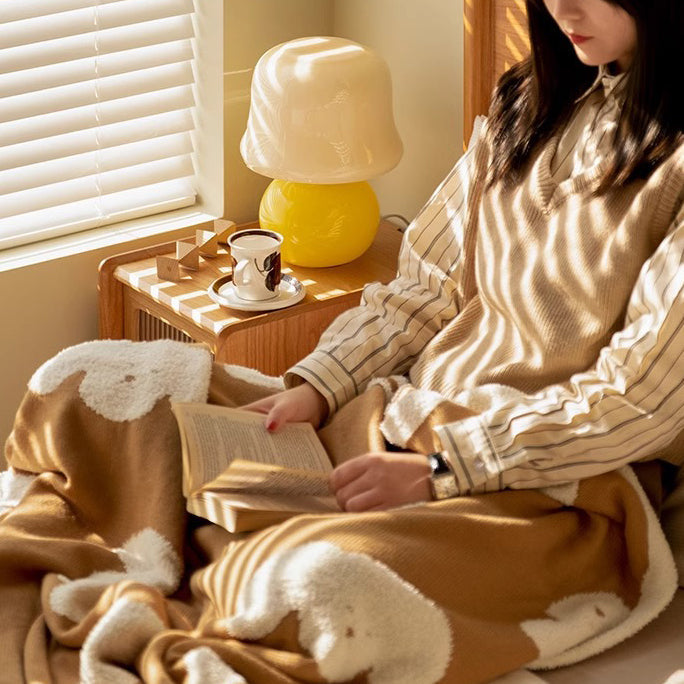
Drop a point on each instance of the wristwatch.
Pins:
(442, 480)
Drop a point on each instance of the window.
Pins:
(104, 110)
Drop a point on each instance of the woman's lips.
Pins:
(577, 39)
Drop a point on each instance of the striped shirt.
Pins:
(555, 314)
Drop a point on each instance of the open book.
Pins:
(242, 477)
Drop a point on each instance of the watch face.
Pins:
(438, 464)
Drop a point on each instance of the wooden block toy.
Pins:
(188, 254)
(208, 242)
(208, 236)
(168, 268)
(224, 228)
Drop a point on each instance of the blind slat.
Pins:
(95, 91)
(15, 10)
(89, 19)
(124, 109)
(98, 211)
(100, 159)
(97, 183)
(68, 144)
(65, 73)
(91, 44)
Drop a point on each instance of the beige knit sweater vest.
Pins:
(550, 269)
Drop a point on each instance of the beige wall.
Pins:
(422, 41)
(51, 305)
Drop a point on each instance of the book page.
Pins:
(269, 480)
(213, 436)
(246, 512)
(231, 504)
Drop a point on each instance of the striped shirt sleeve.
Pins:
(628, 406)
(394, 322)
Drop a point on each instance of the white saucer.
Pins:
(223, 292)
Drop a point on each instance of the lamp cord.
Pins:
(403, 219)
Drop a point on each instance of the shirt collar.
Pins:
(609, 82)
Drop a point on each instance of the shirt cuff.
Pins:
(327, 375)
(467, 444)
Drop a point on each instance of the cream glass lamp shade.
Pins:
(321, 124)
(321, 112)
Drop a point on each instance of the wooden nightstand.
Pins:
(136, 305)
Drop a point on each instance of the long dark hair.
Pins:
(536, 96)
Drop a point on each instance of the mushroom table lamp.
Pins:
(321, 125)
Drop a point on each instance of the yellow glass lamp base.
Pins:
(321, 225)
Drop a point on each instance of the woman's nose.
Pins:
(565, 9)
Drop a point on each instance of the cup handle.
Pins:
(241, 273)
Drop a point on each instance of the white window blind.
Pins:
(96, 113)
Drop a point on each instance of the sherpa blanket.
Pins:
(104, 579)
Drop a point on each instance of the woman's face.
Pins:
(600, 31)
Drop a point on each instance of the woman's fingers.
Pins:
(381, 480)
(281, 412)
(348, 472)
(297, 404)
(357, 483)
(260, 406)
(369, 500)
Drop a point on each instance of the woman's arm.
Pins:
(627, 407)
(394, 322)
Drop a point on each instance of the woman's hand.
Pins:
(301, 404)
(381, 480)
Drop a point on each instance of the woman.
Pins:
(527, 350)
(533, 299)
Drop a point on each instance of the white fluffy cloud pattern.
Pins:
(355, 615)
(125, 379)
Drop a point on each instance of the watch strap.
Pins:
(442, 479)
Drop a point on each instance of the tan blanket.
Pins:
(105, 580)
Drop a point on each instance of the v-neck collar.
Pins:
(549, 192)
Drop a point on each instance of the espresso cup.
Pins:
(255, 254)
